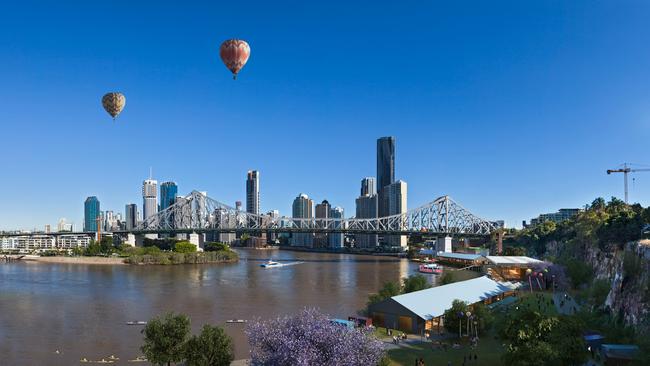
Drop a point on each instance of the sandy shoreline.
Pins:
(79, 260)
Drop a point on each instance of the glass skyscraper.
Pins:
(149, 198)
(91, 213)
(131, 214)
(253, 192)
(385, 171)
(168, 193)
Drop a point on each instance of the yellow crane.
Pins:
(626, 169)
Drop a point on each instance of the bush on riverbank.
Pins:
(183, 258)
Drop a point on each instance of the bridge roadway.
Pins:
(276, 230)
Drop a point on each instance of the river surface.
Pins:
(81, 310)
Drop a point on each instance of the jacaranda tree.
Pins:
(310, 338)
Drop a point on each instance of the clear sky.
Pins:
(512, 108)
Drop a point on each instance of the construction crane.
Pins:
(625, 170)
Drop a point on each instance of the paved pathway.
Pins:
(565, 304)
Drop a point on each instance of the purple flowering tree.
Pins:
(309, 338)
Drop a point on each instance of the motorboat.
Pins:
(270, 264)
(236, 321)
(139, 359)
(139, 322)
(430, 268)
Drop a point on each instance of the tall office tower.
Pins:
(48, 228)
(302, 209)
(168, 193)
(385, 171)
(397, 204)
(336, 240)
(275, 216)
(322, 212)
(238, 205)
(109, 218)
(149, 198)
(91, 213)
(63, 226)
(366, 209)
(368, 186)
(131, 214)
(253, 192)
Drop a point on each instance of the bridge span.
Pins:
(198, 213)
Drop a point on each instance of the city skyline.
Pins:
(511, 122)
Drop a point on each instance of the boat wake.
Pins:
(278, 265)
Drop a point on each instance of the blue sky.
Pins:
(512, 108)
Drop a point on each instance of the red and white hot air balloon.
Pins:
(234, 54)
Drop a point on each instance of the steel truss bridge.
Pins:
(199, 213)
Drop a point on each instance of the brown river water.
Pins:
(82, 310)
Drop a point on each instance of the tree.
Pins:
(93, 248)
(483, 317)
(535, 339)
(310, 338)
(184, 247)
(517, 251)
(578, 271)
(415, 283)
(390, 289)
(454, 315)
(106, 244)
(598, 292)
(215, 247)
(598, 204)
(164, 338)
(447, 278)
(213, 347)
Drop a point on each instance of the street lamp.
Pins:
(469, 315)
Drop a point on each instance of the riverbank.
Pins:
(170, 258)
(77, 260)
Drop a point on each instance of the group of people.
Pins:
(419, 361)
(398, 337)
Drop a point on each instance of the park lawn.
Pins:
(489, 352)
(532, 301)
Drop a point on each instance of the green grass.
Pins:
(489, 348)
(489, 352)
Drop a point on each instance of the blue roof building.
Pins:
(416, 311)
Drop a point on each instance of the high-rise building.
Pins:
(322, 212)
(302, 209)
(253, 192)
(366, 208)
(238, 205)
(91, 213)
(168, 193)
(131, 214)
(385, 171)
(63, 226)
(336, 240)
(368, 186)
(149, 198)
(397, 204)
(109, 220)
(48, 228)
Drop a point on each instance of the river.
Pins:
(81, 310)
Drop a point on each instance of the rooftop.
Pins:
(505, 260)
(463, 256)
(433, 302)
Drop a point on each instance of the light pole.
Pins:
(468, 319)
(553, 284)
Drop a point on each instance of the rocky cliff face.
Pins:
(628, 272)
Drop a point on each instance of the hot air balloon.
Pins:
(234, 54)
(113, 103)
